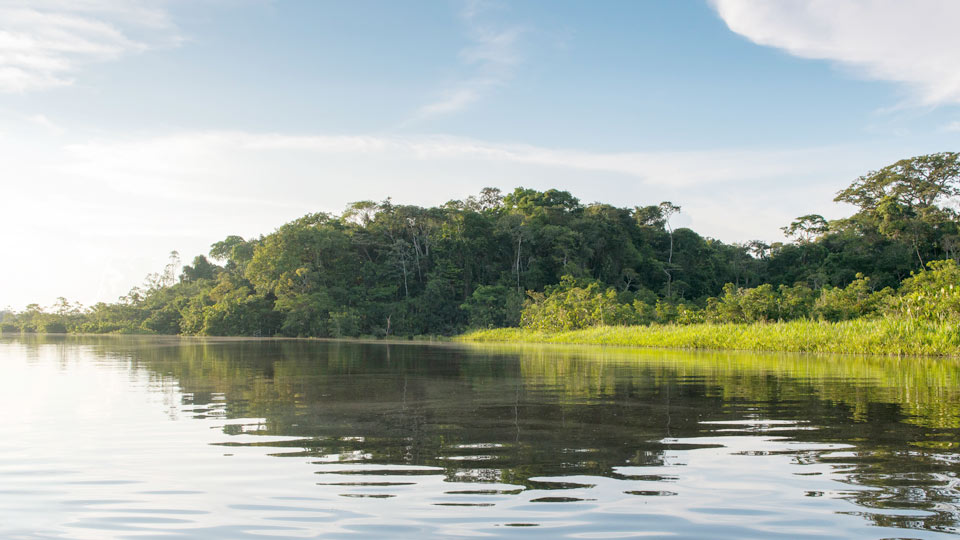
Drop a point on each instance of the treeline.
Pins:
(537, 258)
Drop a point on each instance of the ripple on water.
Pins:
(444, 442)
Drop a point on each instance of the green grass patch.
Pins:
(886, 336)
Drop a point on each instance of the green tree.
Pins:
(199, 269)
(858, 299)
(493, 306)
(760, 304)
(906, 198)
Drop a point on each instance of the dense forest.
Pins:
(542, 259)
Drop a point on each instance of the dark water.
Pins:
(164, 438)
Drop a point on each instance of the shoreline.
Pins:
(190, 337)
(884, 337)
(871, 337)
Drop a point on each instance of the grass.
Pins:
(886, 336)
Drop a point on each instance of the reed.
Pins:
(887, 336)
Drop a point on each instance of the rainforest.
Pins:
(885, 279)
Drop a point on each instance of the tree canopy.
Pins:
(385, 269)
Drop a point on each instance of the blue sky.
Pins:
(132, 128)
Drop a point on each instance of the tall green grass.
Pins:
(887, 336)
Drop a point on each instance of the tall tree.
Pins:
(667, 210)
(906, 199)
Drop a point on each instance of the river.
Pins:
(149, 437)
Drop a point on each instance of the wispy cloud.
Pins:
(44, 43)
(185, 190)
(147, 162)
(952, 126)
(49, 125)
(914, 43)
(491, 59)
(280, 173)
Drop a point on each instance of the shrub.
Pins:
(53, 327)
(571, 305)
(854, 301)
(493, 306)
(932, 295)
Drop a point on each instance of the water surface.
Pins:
(137, 437)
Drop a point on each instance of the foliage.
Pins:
(887, 336)
(572, 305)
(384, 269)
(493, 306)
(933, 295)
(906, 200)
(851, 302)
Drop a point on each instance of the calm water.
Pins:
(145, 437)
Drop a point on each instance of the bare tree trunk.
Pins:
(916, 247)
(519, 245)
(669, 263)
(416, 254)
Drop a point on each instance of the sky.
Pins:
(131, 128)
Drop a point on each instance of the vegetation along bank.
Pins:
(543, 266)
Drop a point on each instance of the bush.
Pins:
(344, 323)
(932, 295)
(571, 305)
(854, 301)
(493, 306)
(727, 307)
(760, 304)
(795, 302)
(53, 327)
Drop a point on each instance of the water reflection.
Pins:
(303, 438)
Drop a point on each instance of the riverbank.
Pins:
(862, 336)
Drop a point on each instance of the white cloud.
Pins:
(952, 126)
(915, 43)
(491, 58)
(43, 43)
